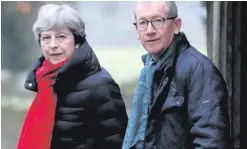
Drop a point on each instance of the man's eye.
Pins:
(158, 20)
(142, 22)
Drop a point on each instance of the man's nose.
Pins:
(53, 43)
(150, 29)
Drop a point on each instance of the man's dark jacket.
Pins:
(90, 111)
(189, 102)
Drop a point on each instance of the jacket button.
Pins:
(166, 80)
(182, 99)
(30, 84)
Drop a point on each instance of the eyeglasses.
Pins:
(156, 23)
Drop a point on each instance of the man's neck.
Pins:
(156, 57)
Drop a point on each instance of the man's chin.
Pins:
(154, 51)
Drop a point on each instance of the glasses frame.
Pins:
(151, 21)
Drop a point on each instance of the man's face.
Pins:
(155, 40)
(57, 45)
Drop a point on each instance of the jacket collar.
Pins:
(168, 58)
(82, 63)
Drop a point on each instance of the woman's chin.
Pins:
(56, 61)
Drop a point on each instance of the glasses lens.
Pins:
(142, 25)
(158, 22)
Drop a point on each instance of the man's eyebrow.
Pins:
(157, 16)
(141, 18)
(153, 17)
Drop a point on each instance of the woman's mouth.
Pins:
(56, 54)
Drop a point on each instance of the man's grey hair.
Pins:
(52, 16)
(171, 6)
(172, 9)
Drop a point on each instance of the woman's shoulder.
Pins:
(101, 78)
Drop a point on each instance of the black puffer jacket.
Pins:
(90, 111)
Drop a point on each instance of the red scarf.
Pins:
(38, 125)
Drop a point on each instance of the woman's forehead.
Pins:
(57, 31)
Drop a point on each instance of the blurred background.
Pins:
(109, 31)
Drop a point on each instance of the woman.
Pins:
(78, 104)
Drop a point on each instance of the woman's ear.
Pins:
(39, 40)
(79, 40)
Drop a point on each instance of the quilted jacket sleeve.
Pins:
(110, 116)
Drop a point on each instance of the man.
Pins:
(181, 97)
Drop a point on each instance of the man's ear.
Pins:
(138, 35)
(177, 25)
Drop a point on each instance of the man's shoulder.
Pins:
(194, 56)
(191, 60)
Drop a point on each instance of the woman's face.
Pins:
(57, 45)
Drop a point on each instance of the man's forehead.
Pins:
(152, 4)
(148, 6)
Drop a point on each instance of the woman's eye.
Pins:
(45, 38)
(61, 37)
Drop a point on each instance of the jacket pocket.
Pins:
(172, 102)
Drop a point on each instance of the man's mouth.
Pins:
(153, 40)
